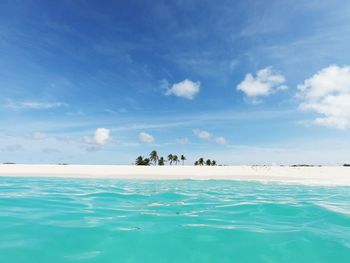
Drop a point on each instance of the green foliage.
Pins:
(142, 161)
(172, 158)
(153, 156)
(201, 161)
(208, 162)
(161, 161)
(183, 158)
(175, 159)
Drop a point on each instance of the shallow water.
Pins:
(83, 220)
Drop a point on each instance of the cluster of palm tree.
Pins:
(142, 161)
(208, 162)
(173, 158)
(156, 160)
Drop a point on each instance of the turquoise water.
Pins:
(83, 220)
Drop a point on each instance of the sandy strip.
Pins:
(305, 175)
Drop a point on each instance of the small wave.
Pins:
(335, 208)
(195, 225)
(95, 218)
(211, 226)
(133, 228)
(157, 204)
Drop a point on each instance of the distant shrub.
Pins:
(302, 165)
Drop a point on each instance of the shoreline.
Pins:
(324, 175)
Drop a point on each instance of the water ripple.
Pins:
(99, 219)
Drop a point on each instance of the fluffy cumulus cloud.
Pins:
(101, 137)
(186, 89)
(202, 134)
(265, 83)
(146, 137)
(327, 93)
(205, 135)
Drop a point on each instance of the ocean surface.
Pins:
(86, 220)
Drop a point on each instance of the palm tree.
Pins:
(208, 162)
(154, 157)
(183, 158)
(175, 158)
(201, 161)
(170, 159)
(161, 161)
(146, 161)
(213, 163)
(139, 160)
(196, 163)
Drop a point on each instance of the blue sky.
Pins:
(242, 82)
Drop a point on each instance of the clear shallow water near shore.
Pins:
(84, 220)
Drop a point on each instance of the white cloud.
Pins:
(145, 137)
(182, 141)
(328, 94)
(265, 83)
(39, 136)
(202, 134)
(101, 137)
(205, 135)
(35, 105)
(220, 140)
(186, 89)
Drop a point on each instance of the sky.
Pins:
(241, 82)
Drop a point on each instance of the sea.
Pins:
(49, 220)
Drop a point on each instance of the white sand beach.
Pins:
(326, 175)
